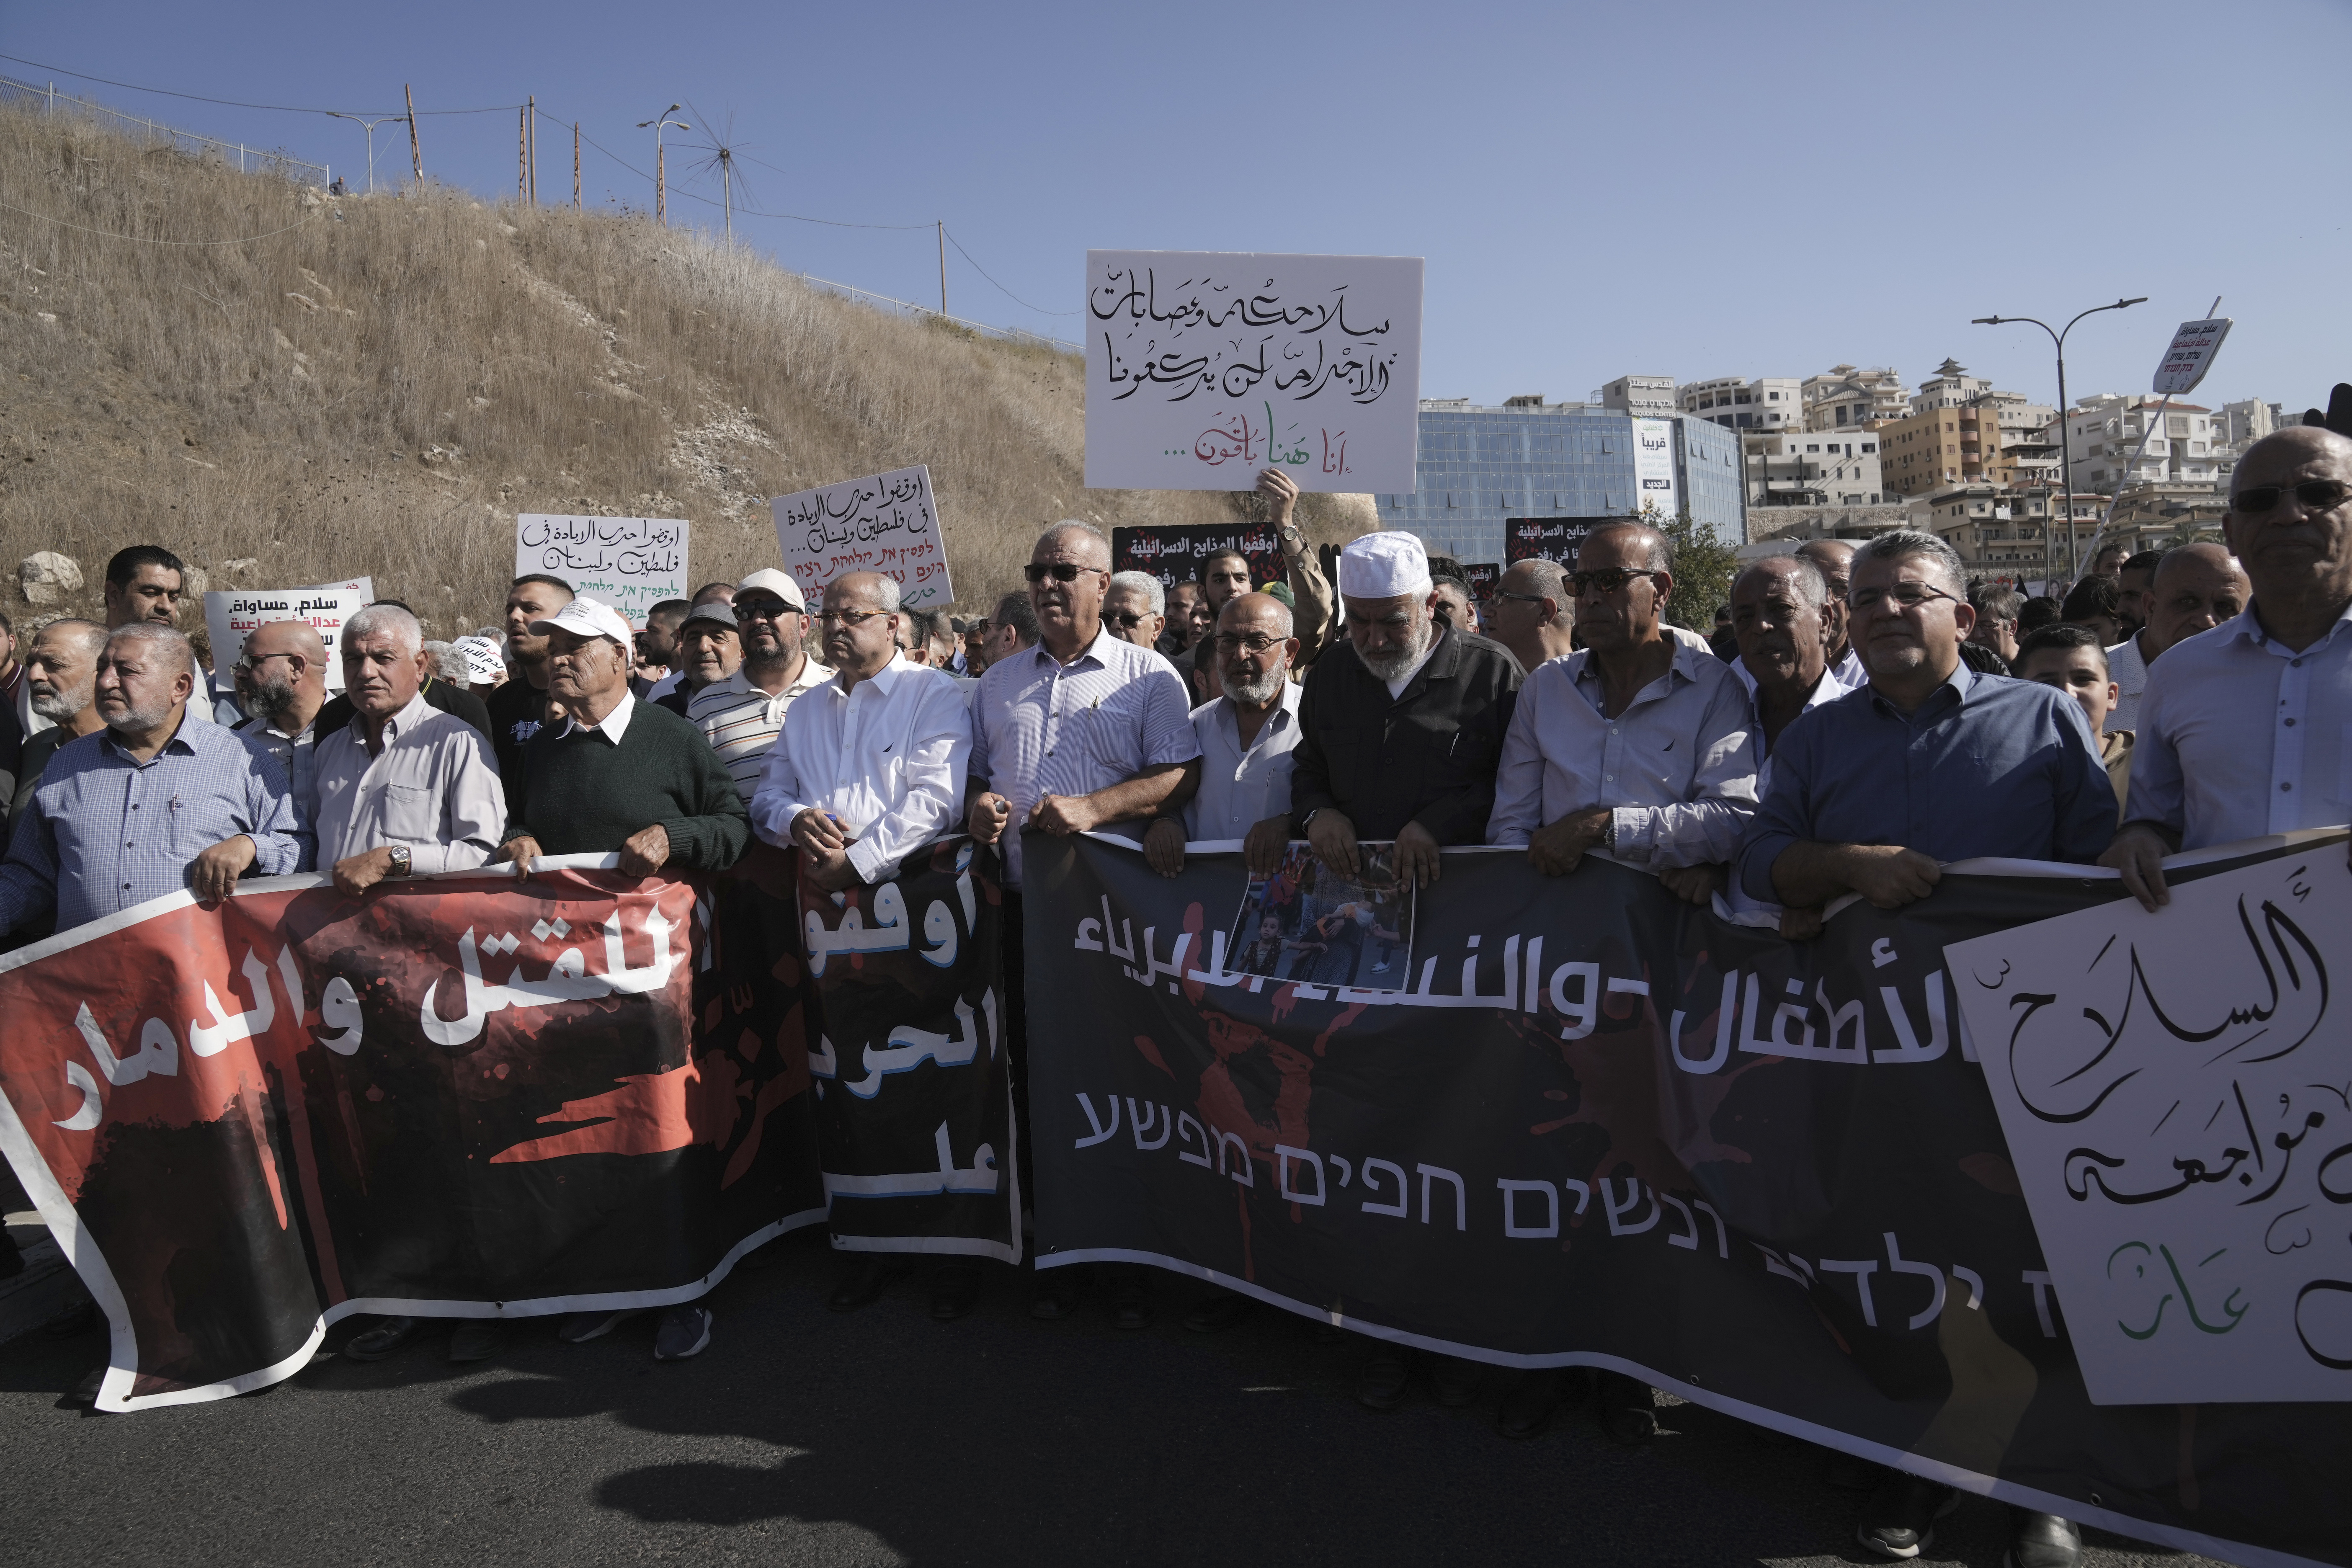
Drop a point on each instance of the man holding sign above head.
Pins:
(1079, 732)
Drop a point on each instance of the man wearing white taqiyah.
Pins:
(404, 789)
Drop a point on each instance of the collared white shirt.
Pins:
(1240, 787)
(888, 759)
(433, 787)
(1678, 764)
(2129, 669)
(1850, 671)
(1040, 727)
(2241, 736)
(741, 720)
(611, 726)
(1836, 675)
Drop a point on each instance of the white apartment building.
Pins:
(1643, 396)
(1811, 468)
(1950, 387)
(1772, 403)
(2105, 429)
(1844, 399)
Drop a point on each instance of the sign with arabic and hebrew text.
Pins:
(1203, 368)
(883, 522)
(629, 563)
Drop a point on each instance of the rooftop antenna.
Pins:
(720, 154)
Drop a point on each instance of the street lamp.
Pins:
(371, 125)
(661, 200)
(2065, 444)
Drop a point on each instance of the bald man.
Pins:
(1836, 559)
(286, 674)
(2196, 588)
(1533, 613)
(2247, 729)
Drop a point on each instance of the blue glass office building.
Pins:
(1479, 466)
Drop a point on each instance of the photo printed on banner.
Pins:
(1310, 924)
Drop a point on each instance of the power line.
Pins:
(746, 211)
(232, 102)
(144, 239)
(1001, 288)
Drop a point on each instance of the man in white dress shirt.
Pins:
(871, 765)
(2194, 589)
(2246, 730)
(404, 789)
(1246, 737)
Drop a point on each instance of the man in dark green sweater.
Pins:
(620, 775)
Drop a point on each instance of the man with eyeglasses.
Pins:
(2193, 589)
(1930, 762)
(1533, 613)
(1081, 733)
(287, 674)
(1136, 608)
(741, 715)
(2246, 730)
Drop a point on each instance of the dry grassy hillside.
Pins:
(379, 384)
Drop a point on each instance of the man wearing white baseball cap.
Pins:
(618, 775)
(741, 715)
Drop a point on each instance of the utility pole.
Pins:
(415, 153)
(530, 148)
(522, 155)
(943, 266)
(575, 163)
(661, 194)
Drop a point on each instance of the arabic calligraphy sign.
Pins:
(1556, 539)
(630, 562)
(1653, 465)
(1179, 551)
(1204, 367)
(1599, 1127)
(2174, 1087)
(228, 617)
(883, 522)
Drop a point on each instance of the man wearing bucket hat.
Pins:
(618, 775)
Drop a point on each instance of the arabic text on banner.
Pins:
(1595, 1126)
(229, 615)
(1179, 551)
(882, 522)
(629, 563)
(1204, 367)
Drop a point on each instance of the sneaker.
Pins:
(1899, 1520)
(684, 1331)
(2041, 1541)
(1379, 969)
(581, 1327)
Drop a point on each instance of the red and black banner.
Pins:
(1598, 1127)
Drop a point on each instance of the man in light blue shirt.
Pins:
(1246, 737)
(153, 803)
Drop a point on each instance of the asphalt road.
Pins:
(806, 1438)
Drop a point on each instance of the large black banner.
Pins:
(1599, 1127)
(1178, 551)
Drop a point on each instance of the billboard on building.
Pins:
(1653, 465)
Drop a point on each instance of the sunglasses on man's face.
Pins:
(1127, 620)
(2316, 495)
(1062, 571)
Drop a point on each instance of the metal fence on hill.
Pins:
(249, 159)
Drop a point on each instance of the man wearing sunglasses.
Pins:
(741, 715)
(287, 670)
(1136, 608)
(2193, 589)
(2246, 730)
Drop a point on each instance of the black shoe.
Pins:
(1456, 1381)
(1059, 1291)
(477, 1339)
(1382, 1384)
(1530, 1404)
(85, 1392)
(1131, 1298)
(863, 1280)
(12, 1259)
(388, 1335)
(2041, 1541)
(1629, 1408)
(955, 1289)
(1899, 1520)
(683, 1333)
(1219, 1312)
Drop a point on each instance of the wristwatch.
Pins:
(401, 859)
(1289, 535)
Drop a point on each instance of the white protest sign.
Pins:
(228, 617)
(1204, 367)
(2190, 356)
(630, 562)
(2174, 1092)
(1654, 466)
(883, 522)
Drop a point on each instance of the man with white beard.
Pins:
(60, 687)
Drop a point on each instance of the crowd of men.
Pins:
(1862, 722)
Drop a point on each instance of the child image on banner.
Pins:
(1309, 924)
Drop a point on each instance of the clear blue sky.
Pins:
(1698, 190)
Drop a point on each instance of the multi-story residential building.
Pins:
(2004, 530)
(2238, 425)
(1812, 468)
(1943, 445)
(2105, 429)
(1950, 387)
(1845, 398)
(1643, 396)
(1772, 403)
(1479, 469)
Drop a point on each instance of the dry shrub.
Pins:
(378, 385)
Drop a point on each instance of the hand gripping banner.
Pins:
(1596, 1126)
(454, 1097)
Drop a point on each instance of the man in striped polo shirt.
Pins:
(741, 715)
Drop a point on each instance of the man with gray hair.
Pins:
(1533, 613)
(1834, 557)
(1930, 763)
(60, 677)
(117, 810)
(1136, 608)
